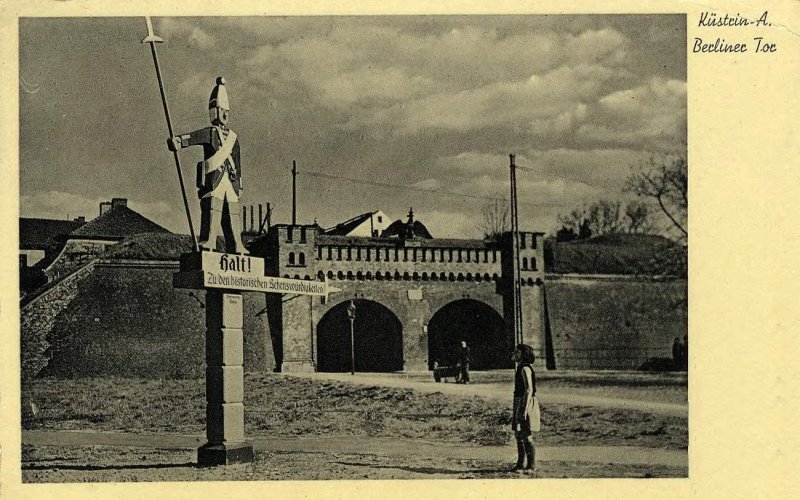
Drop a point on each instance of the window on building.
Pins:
(302, 259)
(380, 219)
(302, 234)
(533, 264)
(349, 253)
(525, 263)
(289, 231)
(291, 258)
(358, 253)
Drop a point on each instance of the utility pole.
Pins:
(294, 193)
(518, 336)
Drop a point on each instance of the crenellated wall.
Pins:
(412, 278)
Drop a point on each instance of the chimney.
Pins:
(119, 202)
(81, 219)
(105, 206)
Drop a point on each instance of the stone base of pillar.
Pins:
(298, 367)
(212, 454)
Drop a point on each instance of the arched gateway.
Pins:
(472, 321)
(377, 338)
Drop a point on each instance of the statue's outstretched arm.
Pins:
(198, 137)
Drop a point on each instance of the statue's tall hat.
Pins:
(219, 96)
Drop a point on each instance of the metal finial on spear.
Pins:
(152, 39)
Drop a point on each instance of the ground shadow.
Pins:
(425, 470)
(109, 467)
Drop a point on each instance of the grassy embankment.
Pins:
(279, 405)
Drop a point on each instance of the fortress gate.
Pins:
(416, 299)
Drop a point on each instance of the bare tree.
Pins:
(496, 219)
(665, 179)
(637, 217)
(574, 225)
(599, 217)
(604, 217)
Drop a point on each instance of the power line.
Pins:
(421, 189)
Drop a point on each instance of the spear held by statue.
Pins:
(152, 39)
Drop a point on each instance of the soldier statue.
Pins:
(219, 175)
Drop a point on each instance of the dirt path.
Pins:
(620, 455)
(500, 392)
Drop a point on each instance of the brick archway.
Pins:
(475, 322)
(377, 334)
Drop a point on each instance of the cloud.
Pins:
(363, 84)
(59, 205)
(446, 224)
(553, 101)
(653, 114)
(593, 46)
(428, 183)
(201, 39)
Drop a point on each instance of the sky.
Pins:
(386, 112)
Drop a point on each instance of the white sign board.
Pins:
(244, 272)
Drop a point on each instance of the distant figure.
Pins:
(685, 352)
(677, 351)
(525, 415)
(463, 359)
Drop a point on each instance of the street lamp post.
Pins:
(351, 314)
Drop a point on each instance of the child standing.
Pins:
(526, 418)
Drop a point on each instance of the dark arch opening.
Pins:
(377, 337)
(476, 323)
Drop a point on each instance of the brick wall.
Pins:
(614, 323)
(125, 318)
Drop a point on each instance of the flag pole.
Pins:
(152, 39)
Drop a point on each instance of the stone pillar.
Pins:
(298, 335)
(224, 381)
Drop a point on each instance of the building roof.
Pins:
(344, 228)
(43, 233)
(116, 224)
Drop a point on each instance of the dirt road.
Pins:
(501, 392)
(630, 455)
